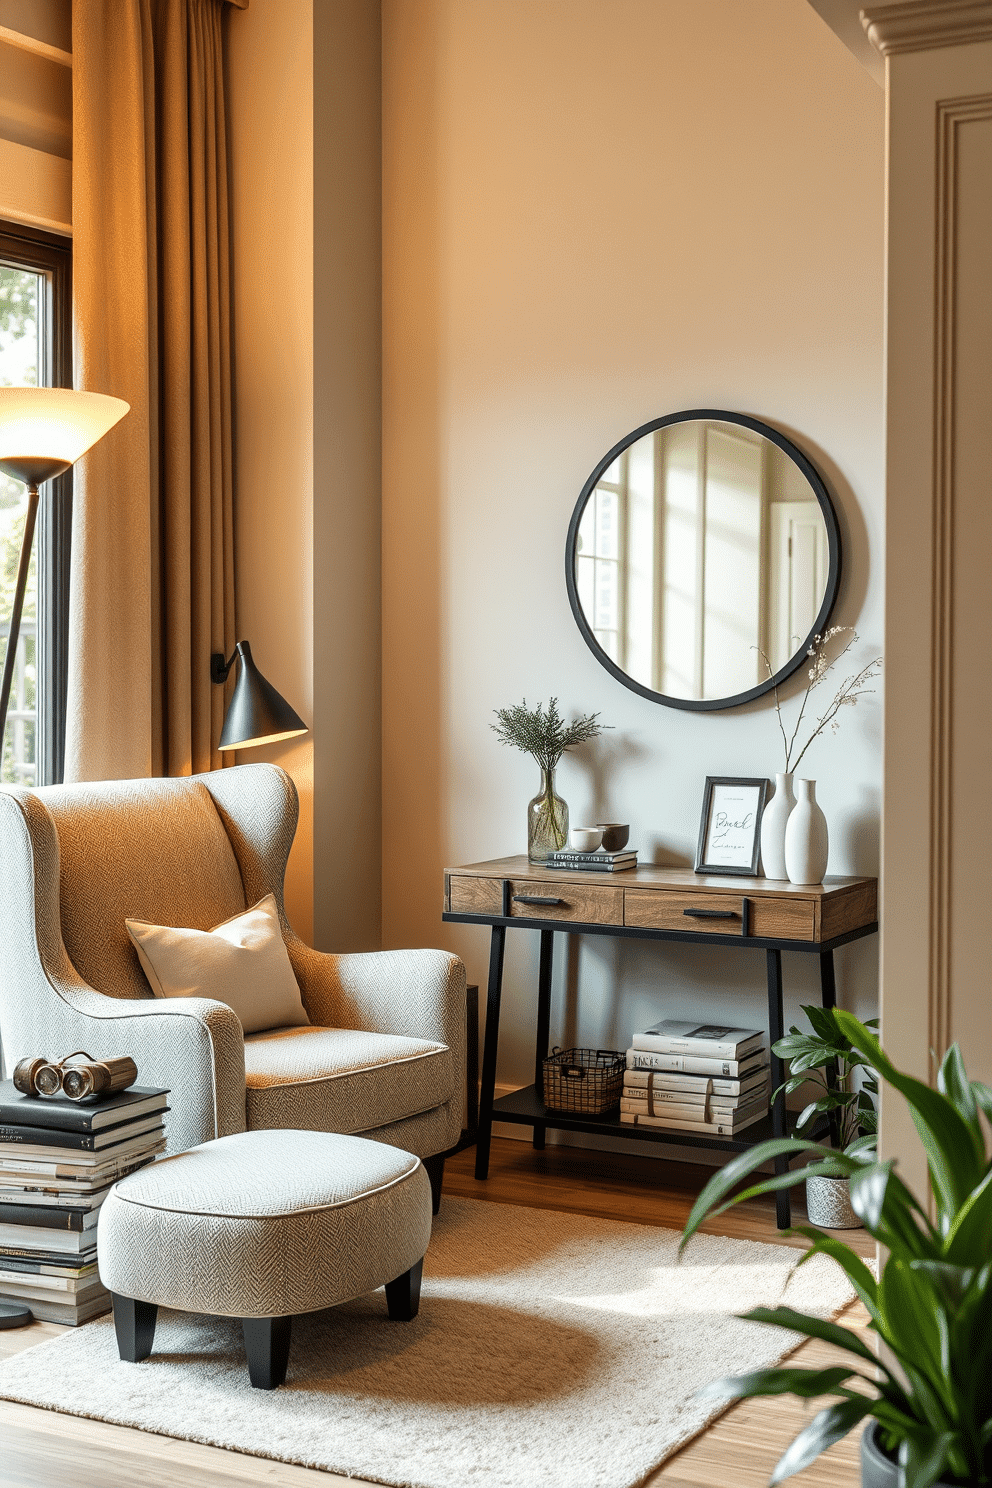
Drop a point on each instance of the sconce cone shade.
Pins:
(45, 430)
(258, 714)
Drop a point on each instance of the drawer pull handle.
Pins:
(711, 914)
(535, 899)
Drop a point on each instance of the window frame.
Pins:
(50, 254)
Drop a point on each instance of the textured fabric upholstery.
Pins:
(265, 1224)
(340, 1080)
(198, 828)
(152, 850)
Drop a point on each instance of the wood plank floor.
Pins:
(41, 1449)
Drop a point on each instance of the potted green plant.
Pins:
(825, 1057)
(929, 1394)
(543, 733)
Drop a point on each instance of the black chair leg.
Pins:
(134, 1324)
(403, 1294)
(267, 1346)
(435, 1172)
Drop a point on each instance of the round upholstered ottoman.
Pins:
(261, 1226)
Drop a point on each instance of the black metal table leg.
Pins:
(776, 1030)
(543, 1022)
(828, 999)
(495, 989)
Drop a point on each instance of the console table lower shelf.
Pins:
(526, 1108)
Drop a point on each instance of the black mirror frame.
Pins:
(708, 705)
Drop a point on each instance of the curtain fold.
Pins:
(152, 586)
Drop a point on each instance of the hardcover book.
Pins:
(42, 1158)
(37, 1138)
(709, 1128)
(701, 1040)
(688, 1064)
(59, 1113)
(694, 1087)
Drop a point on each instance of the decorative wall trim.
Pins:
(25, 43)
(35, 188)
(919, 25)
(951, 118)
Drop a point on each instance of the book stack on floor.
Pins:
(594, 862)
(58, 1160)
(696, 1077)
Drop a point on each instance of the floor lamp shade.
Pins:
(43, 431)
(257, 714)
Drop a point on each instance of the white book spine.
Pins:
(709, 1128)
(699, 1114)
(683, 1064)
(692, 1087)
(660, 1043)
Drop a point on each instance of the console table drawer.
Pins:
(470, 895)
(590, 904)
(769, 919)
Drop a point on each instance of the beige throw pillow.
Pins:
(243, 962)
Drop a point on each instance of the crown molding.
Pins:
(919, 25)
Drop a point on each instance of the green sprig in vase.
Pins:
(543, 733)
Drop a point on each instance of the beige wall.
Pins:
(596, 213)
(270, 57)
(304, 99)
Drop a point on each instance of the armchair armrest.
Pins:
(192, 1045)
(416, 994)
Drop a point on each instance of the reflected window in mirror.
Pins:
(703, 554)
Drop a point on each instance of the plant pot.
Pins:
(773, 823)
(877, 1469)
(828, 1204)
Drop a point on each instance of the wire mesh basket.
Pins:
(585, 1080)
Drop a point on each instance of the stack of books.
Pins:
(696, 1077)
(58, 1160)
(595, 862)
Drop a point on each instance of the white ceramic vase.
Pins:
(773, 823)
(806, 837)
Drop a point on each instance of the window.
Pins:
(35, 290)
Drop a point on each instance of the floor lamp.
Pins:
(43, 431)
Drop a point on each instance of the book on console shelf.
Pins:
(655, 1100)
(670, 1110)
(693, 1087)
(598, 862)
(698, 1040)
(725, 1127)
(687, 1064)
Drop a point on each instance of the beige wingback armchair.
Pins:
(384, 1054)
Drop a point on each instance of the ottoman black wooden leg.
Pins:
(403, 1294)
(267, 1346)
(134, 1323)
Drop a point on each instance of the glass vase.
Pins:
(547, 821)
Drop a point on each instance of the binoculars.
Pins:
(76, 1080)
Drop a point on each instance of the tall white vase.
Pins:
(806, 837)
(773, 823)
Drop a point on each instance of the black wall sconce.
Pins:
(258, 714)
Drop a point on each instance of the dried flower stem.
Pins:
(845, 696)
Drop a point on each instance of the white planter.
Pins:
(828, 1204)
(806, 842)
(773, 823)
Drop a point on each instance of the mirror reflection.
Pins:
(700, 551)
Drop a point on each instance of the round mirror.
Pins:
(703, 556)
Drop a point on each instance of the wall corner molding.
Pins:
(922, 25)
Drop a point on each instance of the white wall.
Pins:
(596, 213)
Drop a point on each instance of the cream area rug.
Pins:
(550, 1349)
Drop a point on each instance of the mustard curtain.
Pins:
(152, 587)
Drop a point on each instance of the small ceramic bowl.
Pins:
(585, 839)
(616, 835)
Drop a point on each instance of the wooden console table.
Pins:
(646, 903)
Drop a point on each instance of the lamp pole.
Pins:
(24, 563)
